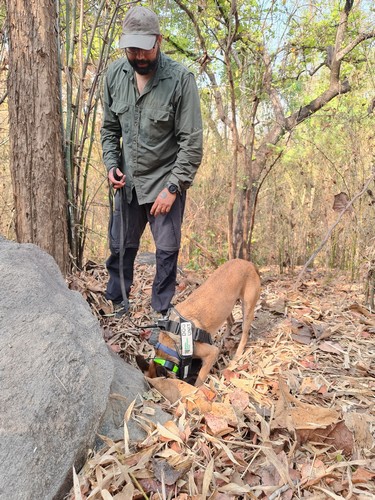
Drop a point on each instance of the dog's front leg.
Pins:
(208, 354)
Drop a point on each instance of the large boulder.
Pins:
(128, 384)
(56, 374)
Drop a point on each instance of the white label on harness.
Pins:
(186, 339)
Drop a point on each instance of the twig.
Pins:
(330, 230)
(280, 490)
(205, 252)
(135, 481)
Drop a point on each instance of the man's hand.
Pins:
(163, 203)
(119, 181)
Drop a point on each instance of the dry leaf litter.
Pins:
(295, 419)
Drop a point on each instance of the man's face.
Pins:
(144, 62)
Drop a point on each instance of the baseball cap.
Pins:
(139, 29)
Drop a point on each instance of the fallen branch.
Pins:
(330, 230)
(205, 253)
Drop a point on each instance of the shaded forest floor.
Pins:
(295, 419)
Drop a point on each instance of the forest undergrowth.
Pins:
(294, 419)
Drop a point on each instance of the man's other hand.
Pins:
(163, 203)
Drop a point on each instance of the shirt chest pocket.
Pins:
(156, 125)
(123, 111)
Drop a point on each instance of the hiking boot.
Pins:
(121, 308)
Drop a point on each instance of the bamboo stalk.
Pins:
(93, 94)
(70, 15)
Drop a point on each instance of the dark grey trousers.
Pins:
(166, 232)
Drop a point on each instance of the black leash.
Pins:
(124, 224)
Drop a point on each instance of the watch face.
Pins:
(172, 188)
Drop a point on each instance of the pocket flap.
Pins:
(119, 107)
(157, 115)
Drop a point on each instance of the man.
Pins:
(152, 147)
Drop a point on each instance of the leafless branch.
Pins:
(330, 230)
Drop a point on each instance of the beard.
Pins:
(144, 66)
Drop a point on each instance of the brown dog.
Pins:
(208, 307)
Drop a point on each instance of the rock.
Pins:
(127, 385)
(56, 375)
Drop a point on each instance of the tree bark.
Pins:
(36, 134)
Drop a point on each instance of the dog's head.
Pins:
(165, 343)
(151, 369)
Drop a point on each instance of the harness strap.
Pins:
(154, 337)
(167, 350)
(169, 365)
(185, 366)
(202, 336)
(178, 328)
(154, 340)
(175, 327)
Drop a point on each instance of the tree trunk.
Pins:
(36, 136)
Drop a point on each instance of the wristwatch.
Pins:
(172, 188)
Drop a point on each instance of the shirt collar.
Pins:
(162, 71)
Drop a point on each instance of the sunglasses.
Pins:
(135, 50)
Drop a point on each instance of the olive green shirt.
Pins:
(155, 137)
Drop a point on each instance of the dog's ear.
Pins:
(160, 370)
(152, 369)
(142, 363)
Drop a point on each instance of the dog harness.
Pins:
(169, 365)
(188, 333)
